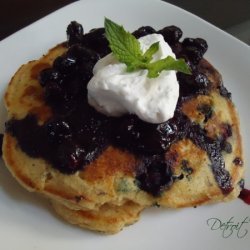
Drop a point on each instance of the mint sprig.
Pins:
(148, 55)
(126, 49)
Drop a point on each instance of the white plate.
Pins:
(27, 221)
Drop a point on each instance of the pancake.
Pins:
(205, 162)
(109, 219)
(99, 182)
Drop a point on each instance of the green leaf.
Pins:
(126, 48)
(124, 45)
(168, 63)
(148, 55)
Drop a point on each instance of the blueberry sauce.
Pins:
(154, 174)
(77, 134)
(245, 195)
(224, 92)
(206, 110)
(213, 149)
(237, 161)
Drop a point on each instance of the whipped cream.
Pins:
(114, 91)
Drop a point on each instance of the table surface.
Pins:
(232, 16)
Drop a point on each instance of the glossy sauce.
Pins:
(245, 195)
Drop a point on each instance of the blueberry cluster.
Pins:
(191, 49)
(65, 82)
(154, 174)
(144, 138)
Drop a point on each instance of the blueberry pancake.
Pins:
(57, 145)
(108, 219)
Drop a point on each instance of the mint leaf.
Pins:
(126, 48)
(148, 55)
(168, 63)
(124, 45)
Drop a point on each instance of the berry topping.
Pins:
(97, 41)
(198, 43)
(49, 75)
(65, 64)
(144, 137)
(197, 83)
(58, 131)
(70, 157)
(154, 175)
(74, 33)
(194, 54)
(143, 31)
(171, 34)
(83, 54)
(206, 110)
(237, 161)
(224, 92)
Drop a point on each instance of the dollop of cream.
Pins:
(114, 92)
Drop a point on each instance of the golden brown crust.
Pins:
(108, 219)
(24, 94)
(111, 162)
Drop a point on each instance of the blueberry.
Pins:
(226, 146)
(97, 41)
(201, 80)
(194, 49)
(198, 43)
(58, 98)
(177, 49)
(186, 168)
(206, 110)
(193, 54)
(197, 83)
(58, 131)
(129, 126)
(171, 34)
(197, 79)
(92, 134)
(86, 72)
(83, 54)
(154, 175)
(97, 33)
(127, 132)
(226, 130)
(144, 137)
(53, 92)
(238, 161)
(143, 31)
(70, 158)
(74, 33)
(73, 88)
(241, 183)
(166, 133)
(224, 92)
(49, 75)
(65, 64)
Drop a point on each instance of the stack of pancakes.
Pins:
(104, 195)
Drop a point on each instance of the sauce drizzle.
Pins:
(245, 195)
